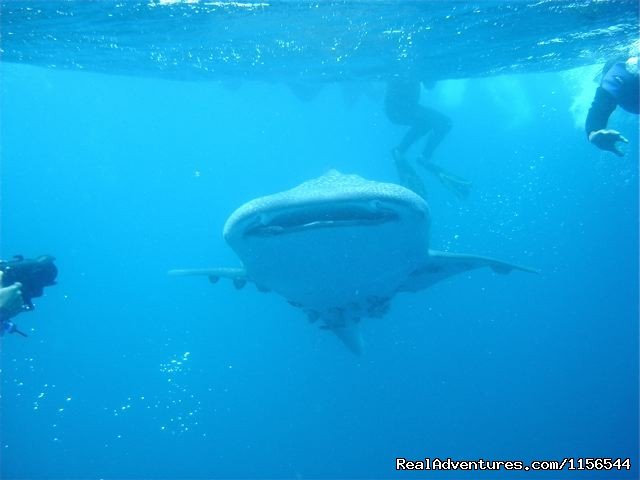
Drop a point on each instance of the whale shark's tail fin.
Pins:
(442, 265)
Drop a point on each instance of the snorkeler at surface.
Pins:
(402, 107)
(619, 86)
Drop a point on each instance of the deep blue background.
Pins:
(124, 178)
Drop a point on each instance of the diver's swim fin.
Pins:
(407, 175)
(458, 185)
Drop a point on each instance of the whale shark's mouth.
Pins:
(311, 217)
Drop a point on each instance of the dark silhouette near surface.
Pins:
(619, 87)
(402, 107)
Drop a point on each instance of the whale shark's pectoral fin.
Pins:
(442, 265)
(237, 275)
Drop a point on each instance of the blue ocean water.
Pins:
(122, 171)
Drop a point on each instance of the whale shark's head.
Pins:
(333, 241)
(331, 201)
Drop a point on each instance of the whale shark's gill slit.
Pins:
(325, 217)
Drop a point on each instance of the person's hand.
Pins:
(607, 139)
(11, 300)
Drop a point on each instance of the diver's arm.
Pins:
(596, 124)
(603, 105)
(11, 300)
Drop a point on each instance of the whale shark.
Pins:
(339, 247)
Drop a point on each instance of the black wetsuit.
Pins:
(402, 106)
(618, 87)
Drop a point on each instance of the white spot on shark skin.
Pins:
(339, 247)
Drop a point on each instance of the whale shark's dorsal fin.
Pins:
(441, 265)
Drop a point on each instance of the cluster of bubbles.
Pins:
(47, 400)
(174, 409)
(182, 407)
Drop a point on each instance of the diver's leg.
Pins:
(415, 133)
(439, 125)
(417, 129)
(407, 175)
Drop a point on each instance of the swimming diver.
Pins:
(619, 86)
(402, 107)
(25, 279)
